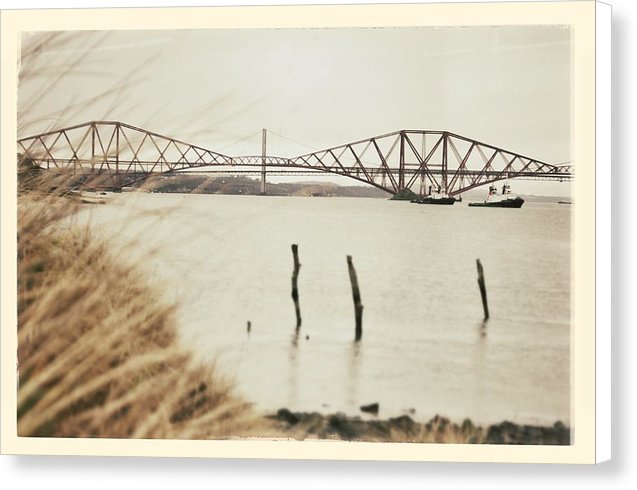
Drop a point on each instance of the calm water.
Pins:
(227, 260)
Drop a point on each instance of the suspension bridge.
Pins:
(113, 154)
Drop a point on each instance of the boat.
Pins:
(88, 197)
(565, 202)
(504, 200)
(435, 198)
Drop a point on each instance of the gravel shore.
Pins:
(338, 426)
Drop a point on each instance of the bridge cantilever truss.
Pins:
(122, 154)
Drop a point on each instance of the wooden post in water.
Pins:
(356, 294)
(483, 289)
(295, 289)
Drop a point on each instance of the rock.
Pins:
(312, 423)
(562, 433)
(494, 435)
(344, 427)
(371, 408)
(509, 432)
(287, 416)
(442, 424)
(380, 428)
(404, 423)
(531, 435)
(340, 426)
(467, 427)
(559, 426)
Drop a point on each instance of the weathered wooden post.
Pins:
(249, 327)
(483, 289)
(295, 290)
(356, 294)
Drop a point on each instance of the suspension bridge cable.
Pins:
(239, 140)
(292, 141)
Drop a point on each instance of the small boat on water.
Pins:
(504, 200)
(87, 197)
(435, 198)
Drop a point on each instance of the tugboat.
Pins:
(436, 198)
(505, 200)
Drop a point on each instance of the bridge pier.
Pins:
(263, 157)
(263, 188)
(423, 186)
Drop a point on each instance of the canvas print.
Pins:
(358, 234)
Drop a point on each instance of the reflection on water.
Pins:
(353, 373)
(227, 259)
(478, 362)
(293, 370)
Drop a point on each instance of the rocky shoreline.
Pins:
(338, 426)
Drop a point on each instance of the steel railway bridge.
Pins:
(113, 154)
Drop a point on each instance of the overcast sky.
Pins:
(508, 86)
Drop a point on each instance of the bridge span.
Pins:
(116, 154)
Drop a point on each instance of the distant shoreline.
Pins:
(241, 185)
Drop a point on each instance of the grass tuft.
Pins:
(98, 351)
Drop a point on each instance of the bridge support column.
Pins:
(445, 137)
(423, 188)
(263, 154)
(401, 170)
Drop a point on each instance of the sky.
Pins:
(312, 88)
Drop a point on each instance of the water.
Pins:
(227, 260)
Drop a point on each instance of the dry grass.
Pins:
(98, 352)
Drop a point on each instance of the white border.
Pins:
(603, 192)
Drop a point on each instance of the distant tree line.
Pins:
(240, 185)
